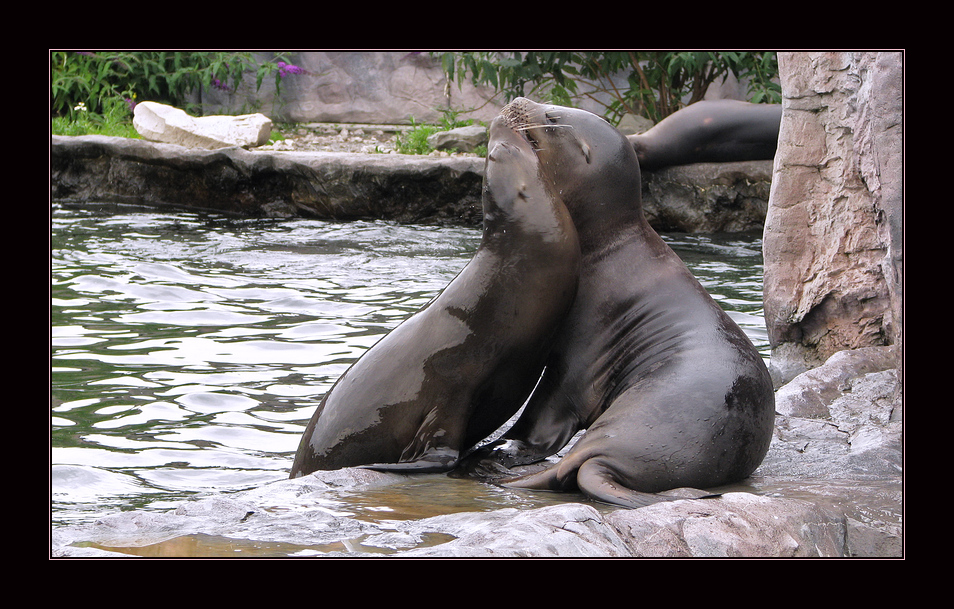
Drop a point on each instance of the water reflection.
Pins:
(188, 350)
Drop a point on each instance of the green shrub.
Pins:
(658, 83)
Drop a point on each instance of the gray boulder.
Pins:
(462, 139)
(708, 197)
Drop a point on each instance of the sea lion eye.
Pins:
(533, 142)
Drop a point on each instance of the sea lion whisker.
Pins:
(540, 126)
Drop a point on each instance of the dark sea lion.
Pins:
(669, 389)
(717, 131)
(459, 368)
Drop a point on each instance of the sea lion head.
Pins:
(588, 161)
(515, 189)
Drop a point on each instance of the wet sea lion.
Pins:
(717, 131)
(669, 389)
(459, 368)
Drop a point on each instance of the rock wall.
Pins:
(356, 87)
(384, 87)
(833, 241)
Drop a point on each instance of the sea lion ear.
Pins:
(586, 152)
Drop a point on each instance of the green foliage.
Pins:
(161, 76)
(762, 72)
(94, 92)
(658, 83)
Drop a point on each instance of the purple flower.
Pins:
(218, 84)
(284, 69)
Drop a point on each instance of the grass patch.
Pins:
(414, 141)
(114, 121)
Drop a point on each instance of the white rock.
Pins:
(167, 124)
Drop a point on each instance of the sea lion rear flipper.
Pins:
(597, 482)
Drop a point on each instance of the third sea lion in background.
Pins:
(709, 132)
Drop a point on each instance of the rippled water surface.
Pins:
(189, 351)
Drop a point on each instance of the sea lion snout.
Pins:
(517, 112)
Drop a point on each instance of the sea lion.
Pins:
(717, 131)
(459, 368)
(669, 389)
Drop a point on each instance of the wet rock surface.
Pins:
(344, 173)
(320, 184)
(831, 486)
